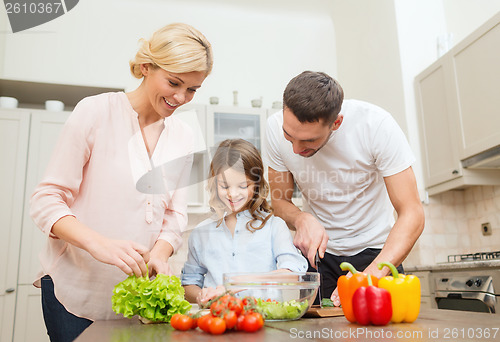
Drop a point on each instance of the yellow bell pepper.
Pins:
(405, 294)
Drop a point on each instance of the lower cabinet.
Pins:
(29, 323)
(426, 288)
(28, 138)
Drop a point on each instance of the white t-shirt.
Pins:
(343, 183)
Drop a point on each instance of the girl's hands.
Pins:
(208, 293)
(128, 256)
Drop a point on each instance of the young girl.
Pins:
(243, 235)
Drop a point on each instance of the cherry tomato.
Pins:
(181, 322)
(230, 318)
(217, 326)
(239, 322)
(235, 305)
(194, 322)
(253, 321)
(225, 299)
(204, 322)
(217, 308)
(249, 301)
(174, 319)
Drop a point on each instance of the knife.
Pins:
(317, 261)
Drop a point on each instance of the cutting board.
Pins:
(317, 311)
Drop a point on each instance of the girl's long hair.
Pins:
(242, 156)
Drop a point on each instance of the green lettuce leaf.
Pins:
(156, 300)
(282, 310)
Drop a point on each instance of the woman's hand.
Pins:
(208, 293)
(158, 261)
(128, 256)
(158, 265)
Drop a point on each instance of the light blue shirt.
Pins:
(213, 251)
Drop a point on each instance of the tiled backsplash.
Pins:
(453, 225)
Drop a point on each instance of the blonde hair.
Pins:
(177, 48)
(244, 157)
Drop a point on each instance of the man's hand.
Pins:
(310, 236)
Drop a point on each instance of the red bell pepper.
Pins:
(347, 287)
(372, 305)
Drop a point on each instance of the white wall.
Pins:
(257, 47)
(368, 53)
(4, 31)
(464, 16)
(419, 23)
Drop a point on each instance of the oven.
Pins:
(472, 286)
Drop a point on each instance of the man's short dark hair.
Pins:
(314, 97)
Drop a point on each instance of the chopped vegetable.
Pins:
(156, 300)
(326, 302)
(282, 310)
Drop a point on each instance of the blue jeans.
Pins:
(61, 325)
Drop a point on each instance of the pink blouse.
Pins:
(101, 173)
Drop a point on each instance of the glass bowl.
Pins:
(281, 296)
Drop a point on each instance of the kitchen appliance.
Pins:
(474, 285)
(489, 159)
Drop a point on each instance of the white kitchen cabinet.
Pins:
(213, 124)
(476, 75)
(30, 326)
(235, 122)
(457, 101)
(437, 127)
(14, 131)
(426, 288)
(28, 138)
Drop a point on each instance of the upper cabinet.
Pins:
(235, 122)
(476, 76)
(211, 125)
(458, 103)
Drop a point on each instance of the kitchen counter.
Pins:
(432, 325)
(476, 264)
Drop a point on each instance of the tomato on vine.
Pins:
(230, 317)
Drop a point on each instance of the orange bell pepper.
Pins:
(347, 287)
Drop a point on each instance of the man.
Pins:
(352, 163)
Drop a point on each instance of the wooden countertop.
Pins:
(432, 325)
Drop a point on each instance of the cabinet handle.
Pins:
(10, 290)
(455, 172)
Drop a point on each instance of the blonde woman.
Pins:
(243, 235)
(101, 226)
